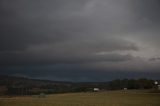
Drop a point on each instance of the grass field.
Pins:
(110, 98)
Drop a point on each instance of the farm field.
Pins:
(110, 98)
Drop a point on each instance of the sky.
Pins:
(80, 40)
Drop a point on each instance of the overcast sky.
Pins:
(80, 40)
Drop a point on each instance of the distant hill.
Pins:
(26, 82)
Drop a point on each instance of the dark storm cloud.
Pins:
(52, 31)
(33, 59)
(154, 59)
(20, 25)
(94, 34)
(76, 73)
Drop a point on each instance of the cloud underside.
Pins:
(91, 34)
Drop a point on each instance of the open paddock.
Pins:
(110, 98)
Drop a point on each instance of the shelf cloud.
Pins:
(79, 36)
